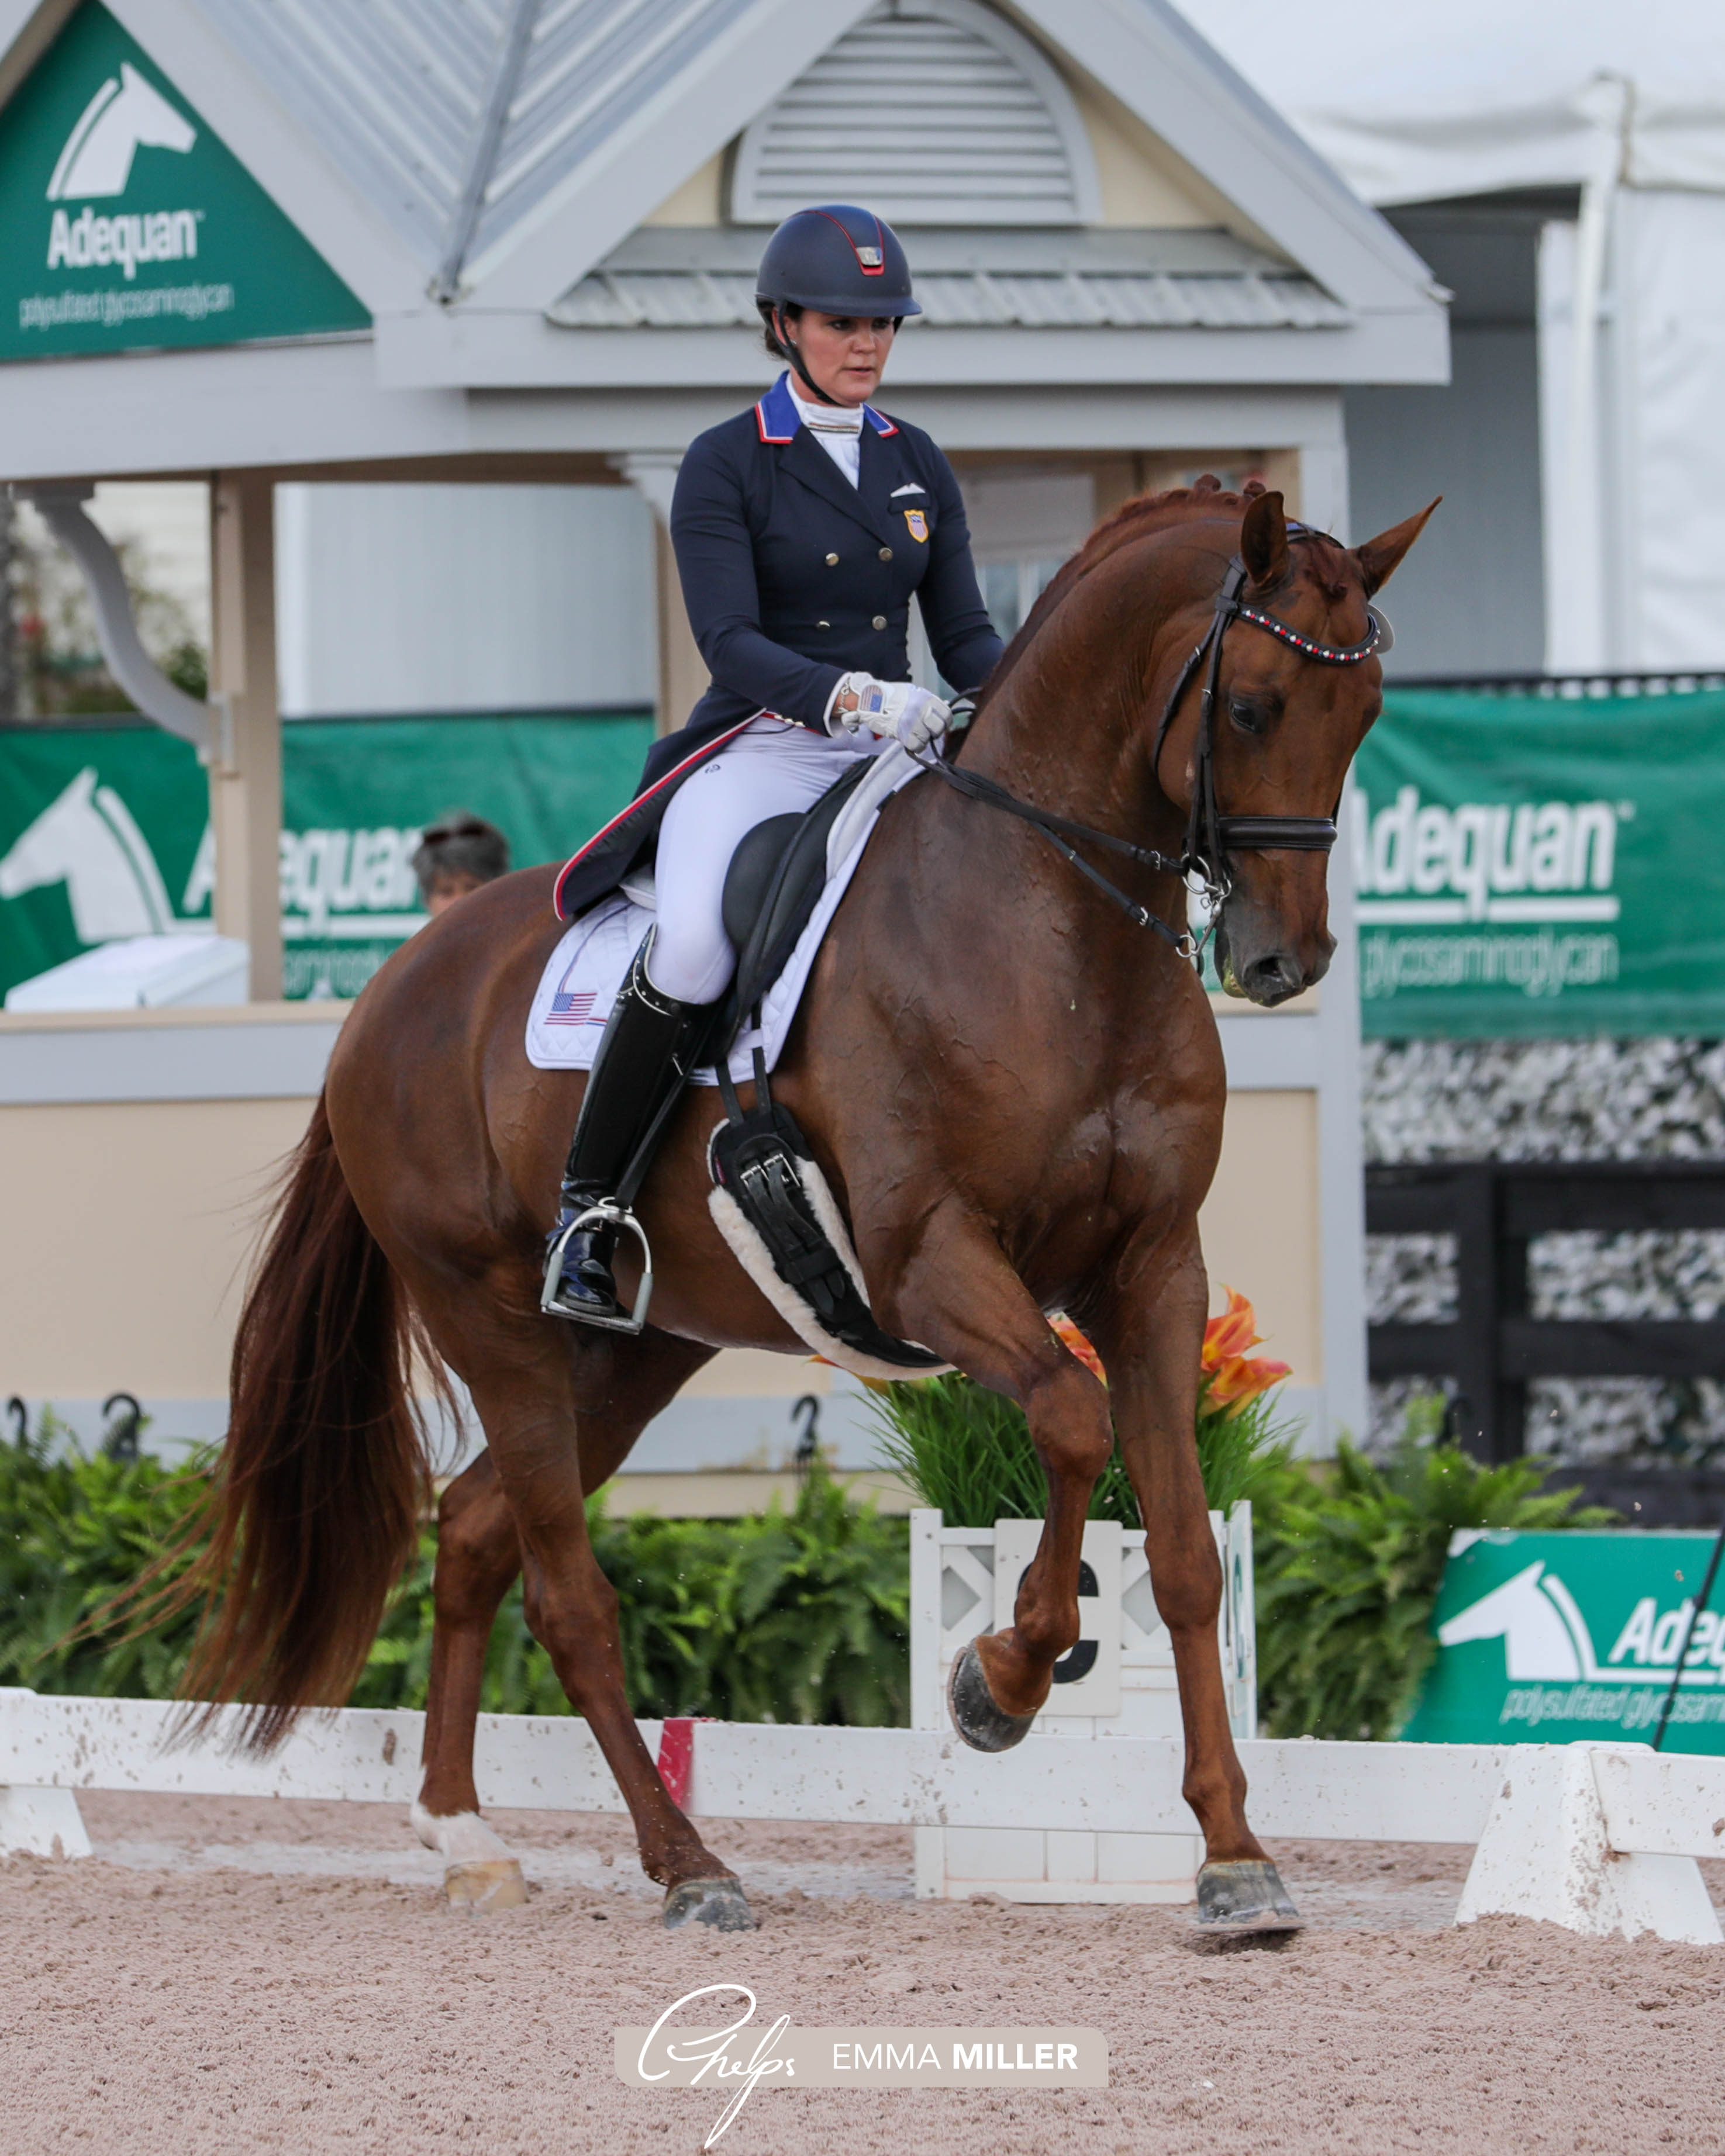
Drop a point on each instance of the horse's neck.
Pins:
(1070, 729)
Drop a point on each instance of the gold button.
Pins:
(822, 625)
(886, 553)
(880, 621)
(831, 560)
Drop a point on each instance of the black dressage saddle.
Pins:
(773, 886)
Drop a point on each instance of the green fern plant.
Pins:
(74, 1531)
(1349, 1560)
(799, 1615)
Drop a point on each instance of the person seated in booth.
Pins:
(456, 854)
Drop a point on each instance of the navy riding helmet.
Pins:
(838, 259)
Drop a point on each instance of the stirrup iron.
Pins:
(610, 1215)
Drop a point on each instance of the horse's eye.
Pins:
(1250, 718)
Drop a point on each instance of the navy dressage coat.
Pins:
(791, 577)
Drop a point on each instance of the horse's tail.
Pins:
(323, 1477)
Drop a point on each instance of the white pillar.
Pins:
(245, 773)
(683, 677)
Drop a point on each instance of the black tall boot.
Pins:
(649, 1046)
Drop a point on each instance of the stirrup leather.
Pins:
(610, 1215)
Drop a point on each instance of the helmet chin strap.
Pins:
(781, 330)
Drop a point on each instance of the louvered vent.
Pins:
(930, 112)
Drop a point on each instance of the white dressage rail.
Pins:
(1601, 1838)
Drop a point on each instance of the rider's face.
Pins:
(846, 354)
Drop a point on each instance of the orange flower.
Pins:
(1076, 1343)
(1234, 1377)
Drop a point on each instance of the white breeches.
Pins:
(776, 768)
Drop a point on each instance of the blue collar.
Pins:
(776, 414)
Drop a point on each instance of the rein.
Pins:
(1211, 836)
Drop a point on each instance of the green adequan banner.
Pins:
(1542, 1639)
(1541, 865)
(124, 222)
(105, 830)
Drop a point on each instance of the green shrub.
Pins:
(786, 1616)
(1349, 1557)
(74, 1531)
(794, 1616)
(968, 1451)
(802, 1615)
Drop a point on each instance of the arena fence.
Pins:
(1599, 1838)
(1495, 1210)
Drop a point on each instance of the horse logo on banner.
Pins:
(122, 118)
(89, 839)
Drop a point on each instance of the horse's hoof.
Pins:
(1244, 1897)
(485, 1886)
(975, 1715)
(720, 1902)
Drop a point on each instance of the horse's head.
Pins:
(1284, 727)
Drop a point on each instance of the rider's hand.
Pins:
(912, 717)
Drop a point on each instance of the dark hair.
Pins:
(792, 313)
(460, 844)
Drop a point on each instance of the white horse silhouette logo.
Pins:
(122, 118)
(87, 840)
(1544, 1635)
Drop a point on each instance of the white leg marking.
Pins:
(459, 1837)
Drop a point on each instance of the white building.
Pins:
(341, 259)
(1561, 166)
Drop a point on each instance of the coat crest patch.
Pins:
(917, 523)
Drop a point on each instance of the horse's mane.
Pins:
(1138, 519)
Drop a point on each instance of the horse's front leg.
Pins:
(963, 1298)
(1150, 1333)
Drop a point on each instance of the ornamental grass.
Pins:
(968, 1451)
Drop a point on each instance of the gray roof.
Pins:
(666, 277)
(394, 92)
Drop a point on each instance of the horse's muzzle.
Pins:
(1273, 979)
(1269, 975)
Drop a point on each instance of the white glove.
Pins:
(913, 717)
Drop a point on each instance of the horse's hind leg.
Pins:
(526, 1378)
(479, 1556)
(1151, 1334)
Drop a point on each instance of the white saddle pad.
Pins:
(579, 984)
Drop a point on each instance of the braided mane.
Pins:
(1138, 519)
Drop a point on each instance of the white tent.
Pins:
(1627, 105)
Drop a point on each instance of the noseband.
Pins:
(1210, 837)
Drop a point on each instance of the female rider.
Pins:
(802, 527)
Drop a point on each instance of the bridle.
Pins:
(1211, 836)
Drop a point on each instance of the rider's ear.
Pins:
(1264, 542)
(1379, 558)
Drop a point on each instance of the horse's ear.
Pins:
(1380, 558)
(1264, 542)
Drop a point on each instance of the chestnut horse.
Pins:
(1015, 1091)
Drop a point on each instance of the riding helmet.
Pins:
(838, 260)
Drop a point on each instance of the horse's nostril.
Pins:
(1274, 979)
